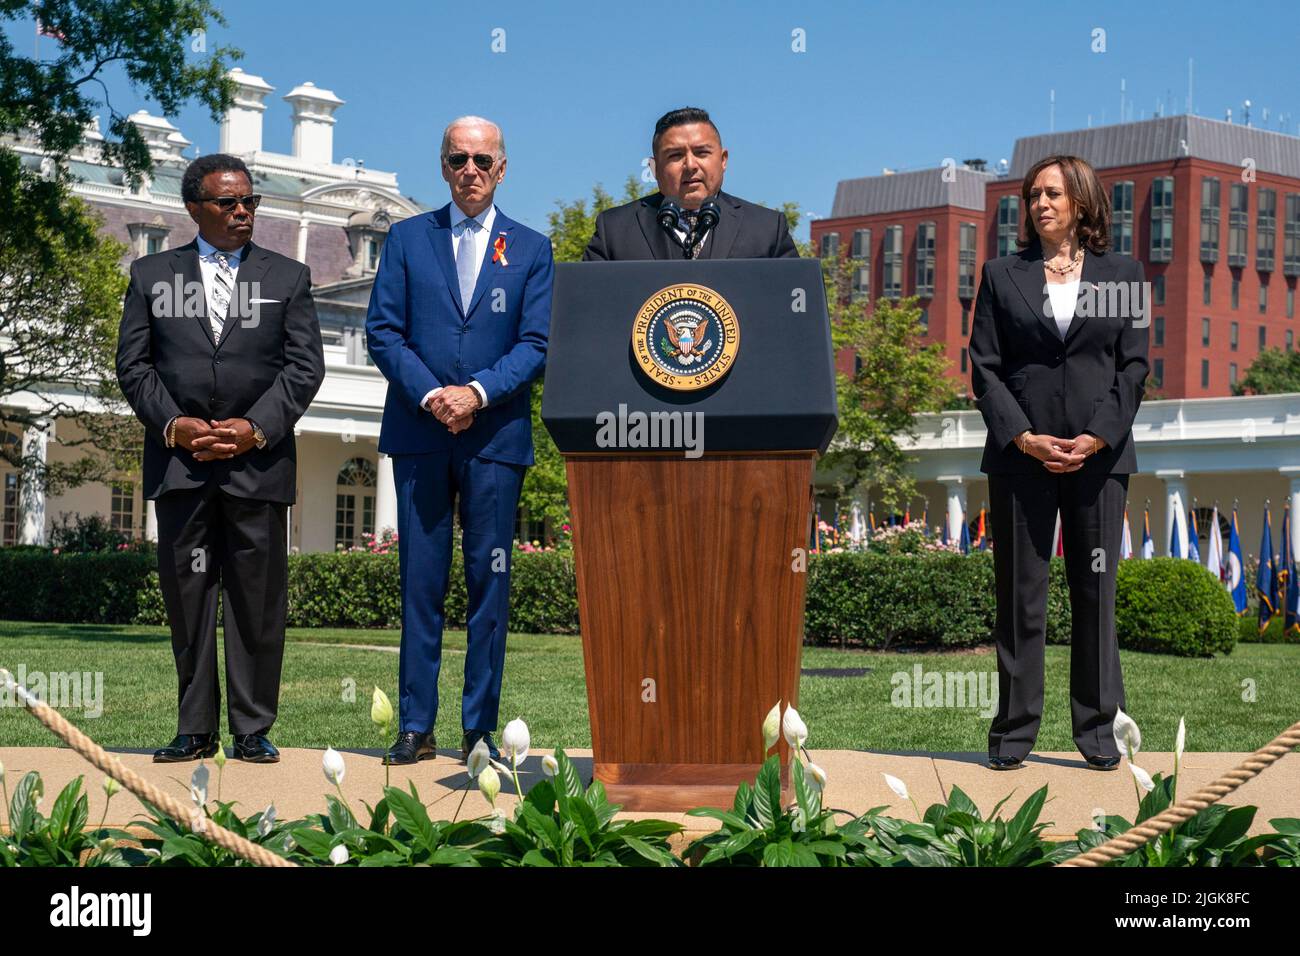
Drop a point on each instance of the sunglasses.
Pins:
(227, 203)
(483, 161)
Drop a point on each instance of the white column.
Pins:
(303, 226)
(956, 489)
(1176, 499)
(150, 521)
(31, 490)
(1293, 473)
(385, 497)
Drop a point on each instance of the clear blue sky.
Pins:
(579, 86)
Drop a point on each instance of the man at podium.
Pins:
(689, 217)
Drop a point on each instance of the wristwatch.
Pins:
(258, 435)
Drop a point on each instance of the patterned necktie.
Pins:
(688, 218)
(466, 260)
(223, 287)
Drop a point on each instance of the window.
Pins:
(965, 321)
(831, 245)
(1236, 292)
(964, 359)
(354, 503)
(370, 250)
(966, 264)
(1159, 330)
(1266, 229)
(153, 244)
(1291, 247)
(1290, 340)
(147, 238)
(1290, 302)
(122, 509)
(9, 519)
(893, 263)
(1158, 289)
(1205, 373)
(925, 259)
(1206, 288)
(1158, 373)
(1209, 218)
(1237, 216)
(1232, 373)
(1008, 224)
(1121, 228)
(1205, 332)
(1263, 337)
(924, 321)
(1263, 299)
(1232, 336)
(1162, 219)
(861, 252)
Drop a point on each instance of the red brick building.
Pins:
(1211, 209)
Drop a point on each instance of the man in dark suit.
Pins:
(689, 164)
(219, 354)
(458, 323)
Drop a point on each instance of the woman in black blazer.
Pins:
(1059, 358)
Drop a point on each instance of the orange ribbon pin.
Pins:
(499, 250)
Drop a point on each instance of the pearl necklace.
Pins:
(1065, 270)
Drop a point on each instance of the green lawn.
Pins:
(326, 689)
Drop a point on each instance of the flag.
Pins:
(1058, 546)
(1214, 562)
(1193, 532)
(1266, 576)
(1126, 542)
(1288, 587)
(1175, 543)
(965, 534)
(981, 541)
(925, 517)
(1236, 581)
(1148, 546)
(871, 518)
(907, 515)
(43, 31)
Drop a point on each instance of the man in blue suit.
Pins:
(458, 322)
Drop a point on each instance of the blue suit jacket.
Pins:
(420, 338)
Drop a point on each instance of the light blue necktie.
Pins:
(466, 260)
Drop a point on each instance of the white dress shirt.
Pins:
(1063, 296)
(208, 267)
(483, 235)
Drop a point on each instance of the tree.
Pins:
(895, 378)
(546, 487)
(1272, 373)
(60, 283)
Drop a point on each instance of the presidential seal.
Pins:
(685, 337)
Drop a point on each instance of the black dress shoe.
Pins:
(255, 748)
(472, 737)
(1006, 763)
(412, 745)
(188, 747)
(1103, 763)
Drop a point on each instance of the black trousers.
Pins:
(1023, 516)
(209, 540)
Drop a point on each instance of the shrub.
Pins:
(1173, 606)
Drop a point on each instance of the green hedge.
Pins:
(855, 599)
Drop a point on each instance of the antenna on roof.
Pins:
(1245, 112)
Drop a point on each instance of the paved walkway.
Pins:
(297, 784)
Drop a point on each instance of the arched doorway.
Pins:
(354, 503)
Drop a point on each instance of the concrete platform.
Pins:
(297, 785)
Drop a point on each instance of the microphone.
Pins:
(670, 216)
(708, 216)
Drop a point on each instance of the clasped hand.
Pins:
(1061, 455)
(213, 439)
(455, 406)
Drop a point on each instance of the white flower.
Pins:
(339, 854)
(1127, 736)
(896, 785)
(795, 730)
(199, 785)
(1143, 778)
(219, 758)
(106, 844)
(497, 821)
(111, 786)
(772, 727)
(814, 776)
(550, 766)
(515, 740)
(478, 758)
(332, 764)
(381, 709)
(489, 784)
(268, 820)
(1180, 741)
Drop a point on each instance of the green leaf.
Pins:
(779, 854)
(958, 801)
(412, 816)
(1233, 827)
(568, 775)
(1027, 815)
(314, 842)
(767, 792)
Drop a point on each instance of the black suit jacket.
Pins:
(745, 231)
(1025, 376)
(267, 367)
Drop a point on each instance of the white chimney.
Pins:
(163, 139)
(313, 122)
(241, 127)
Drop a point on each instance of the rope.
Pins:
(1135, 838)
(197, 821)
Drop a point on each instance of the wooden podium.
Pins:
(690, 570)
